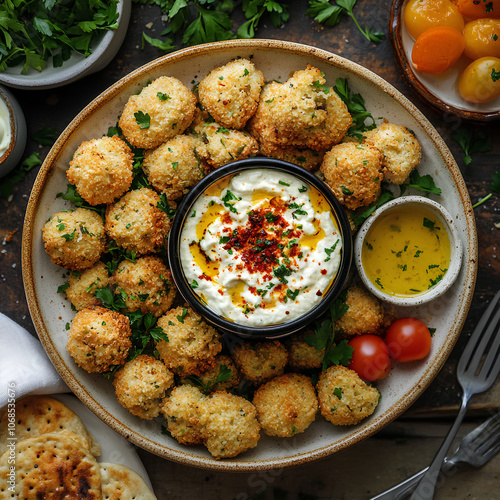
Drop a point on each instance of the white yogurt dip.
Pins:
(5, 128)
(260, 247)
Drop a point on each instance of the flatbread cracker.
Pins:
(121, 483)
(50, 467)
(36, 415)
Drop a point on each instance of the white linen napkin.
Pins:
(24, 365)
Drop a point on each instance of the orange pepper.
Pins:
(475, 9)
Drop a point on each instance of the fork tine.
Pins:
(490, 438)
(490, 454)
(489, 367)
(476, 434)
(467, 360)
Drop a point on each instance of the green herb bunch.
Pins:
(32, 32)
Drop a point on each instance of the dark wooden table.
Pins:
(380, 461)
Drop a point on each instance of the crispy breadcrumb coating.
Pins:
(400, 149)
(231, 93)
(344, 399)
(230, 425)
(183, 410)
(302, 112)
(75, 238)
(147, 284)
(305, 158)
(163, 109)
(286, 405)
(82, 286)
(192, 344)
(98, 339)
(101, 170)
(366, 314)
(174, 167)
(141, 384)
(136, 223)
(354, 173)
(260, 361)
(302, 356)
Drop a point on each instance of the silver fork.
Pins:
(476, 448)
(477, 369)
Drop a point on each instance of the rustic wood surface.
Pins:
(377, 463)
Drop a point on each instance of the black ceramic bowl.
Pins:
(212, 317)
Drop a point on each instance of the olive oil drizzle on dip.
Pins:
(407, 251)
(260, 247)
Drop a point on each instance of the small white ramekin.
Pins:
(455, 247)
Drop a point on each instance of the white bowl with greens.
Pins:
(39, 54)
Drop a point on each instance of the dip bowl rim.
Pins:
(456, 251)
(273, 331)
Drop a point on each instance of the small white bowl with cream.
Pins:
(409, 251)
(12, 132)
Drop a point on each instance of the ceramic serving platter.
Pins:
(51, 312)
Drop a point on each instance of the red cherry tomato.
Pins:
(408, 339)
(370, 358)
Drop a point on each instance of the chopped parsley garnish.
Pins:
(283, 183)
(379, 283)
(60, 227)
(292, 295)
(224, 374)
(162, 96)
(430, 224)
(69, 236)
(142, 119)
(165, 207)
(194, 284)
(281, 272)
(337, 392)
(346, 191)
(62, 288)
(224, 239)
(229, 196)
(417, 253)
(193, 214)
(330, 250)
(270, 217)
(495, 75)
(368, 245)
(303, 189)
(435, 281)
(182, 317)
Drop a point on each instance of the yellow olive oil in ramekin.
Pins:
(406, 251)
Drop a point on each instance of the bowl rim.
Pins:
(455, 251)
(319, 56)
(273, 331)
(394, 28)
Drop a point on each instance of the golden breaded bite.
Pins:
(174, 167)
(221, 145)
(101, 170)
(344, 399)
(183, 410)
(147, 284)
(136, 223)
(286, 405)
(75, 238)
(260, 361)
(98, 339)
(400, 149)
(366, 314)
(163, 109)
(141, 384)
(231, 93)
(302, 356)
(192, 344)
(353, 172)
(223, 376)
(305, 158)
(82, 286)
(302, 112)
(230, 425)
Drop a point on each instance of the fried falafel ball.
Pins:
(344, 399)
(147, 284)
(136, 223)
(183, 410)
(286, 405)
(305, 158)
(224, 370)
(140, 385)
(83, 286)
(365, 314)
(174, 167)
(230, 425)
(98, 339)
(260, 361)
(400, 149)
(231, 93)
(192, 344)
(353, 172)
(101, 169)
(302, 112)
(221, 145)
(163, 109)
(75, 238)
(301, 355)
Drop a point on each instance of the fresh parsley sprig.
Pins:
(471, 141)
(424, 183)
(224, 374)
(74, 197)
(329, 14)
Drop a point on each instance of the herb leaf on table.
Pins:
(471, 141)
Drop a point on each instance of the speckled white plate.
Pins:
(51, 312)
(440, 91)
